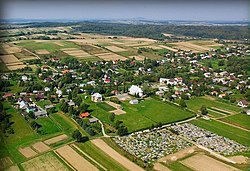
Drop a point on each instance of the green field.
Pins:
(48, 126)
(196, 103)
(47, 45)
(43, 103)
(233, 133)
(145, 114)
(241, 120)
(105, 106)
(176, 166)
(100, 156)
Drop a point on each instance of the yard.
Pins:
(225, 130)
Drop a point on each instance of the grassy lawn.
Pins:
(100, 156)
(241, 120)
(196, 103)
(214, 114)
(66, 125)
(105, 106)
(236, 134)
(48, 126)
(43, 103)
(176, 166)
(145, 114)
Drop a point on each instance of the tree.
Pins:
(112, 117)
(122, 130)
(84, 107)
(183, 103)
(204, 110)
(77, 135)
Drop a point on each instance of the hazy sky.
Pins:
(117, 9)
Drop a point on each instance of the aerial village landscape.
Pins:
(77, 96)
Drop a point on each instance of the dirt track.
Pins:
(115, 155)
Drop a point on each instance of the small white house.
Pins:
(243, 103)
(96, 97)
(59, 92)
(135, 101)
(46, 89)
(24, 78)
(135, 90)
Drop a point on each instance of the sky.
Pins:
(197, 10)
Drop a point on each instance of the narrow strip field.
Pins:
(233, 133)
(75, 159)
(115, 155)
(241, 120)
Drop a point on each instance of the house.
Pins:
(6, 95)
(96, 97)
(214, 93)
(46, 89)
(84, 115)
(24, 78)
(243, 103)
(159, 93)
(93, 120)
(39, 97)
(222, 95)
(135, 90)
(22, 104)
(48, 107)
(65, 71)
(71, 103)
(40, 113)
(163, 80)
(59, 92)
(134, 101)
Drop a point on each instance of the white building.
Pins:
(96, 97)
(135, 101)
(135, 90)
(24, 78)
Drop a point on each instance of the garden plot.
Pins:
(189, 46)
(77, 53)
(115, 48)
(150, 47)
(8, 59)
(11, 62)
(110, 56)
(75, 159)
(27, 152)
(59, 44)
(138, 58)
(40, 147)
(168, 48)
(56, 139)
(48, 162)
(202, 162)
(13, 168)
(11, 50)
(42, 52)
(5, 162)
